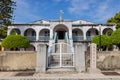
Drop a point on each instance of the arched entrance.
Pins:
(15, 31)
(61, 30)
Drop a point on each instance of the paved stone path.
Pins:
(59, 76)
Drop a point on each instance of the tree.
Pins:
(115, 20)
(115, 37)
(3, 33)
(6, 10)
(15, 42)
(105, 40)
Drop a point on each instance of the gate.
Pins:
(60, 55)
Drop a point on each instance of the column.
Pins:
(84, 35)
(37, 35)
(22, 32)
(79, 58)
(51, 33)
(70, 33)
(100, 30)
(93, 66)
(9, 30)
(41, 58)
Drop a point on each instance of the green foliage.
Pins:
(115, 19)
(6, 10)
(115, 37)
(15, 41)
(12, 33)
(109, 32)
(3, 33)
(105, 40)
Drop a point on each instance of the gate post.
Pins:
(93, 66)
(79, 58)
(41, 58)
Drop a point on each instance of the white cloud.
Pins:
(96, 10)
(24, 10)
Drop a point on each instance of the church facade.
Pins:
(61, 43)
(67, 31)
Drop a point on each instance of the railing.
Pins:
(89, 37)
(55, 40)
(44, 38)
(66, 38)
(31, 38)
(55, 37)
(78, 38)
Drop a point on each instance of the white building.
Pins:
(67, 38)
(57, 31)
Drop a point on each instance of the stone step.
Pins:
(61, 70)
(61, 41)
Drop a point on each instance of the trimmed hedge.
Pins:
(15, 41)
(105, 40)
(115, 37)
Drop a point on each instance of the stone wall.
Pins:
(24, 60)
(108, 60)
(17, 60)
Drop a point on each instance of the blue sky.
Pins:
(90, 10)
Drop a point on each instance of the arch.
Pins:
(91, 33)
(15, 31)
(44, 35)
(30, 34)
(44, 32)
(107, 31)
(61, 29)
(30, 48)
(77, 32)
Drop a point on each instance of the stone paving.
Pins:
(57, 76)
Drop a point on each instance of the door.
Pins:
(61, 34)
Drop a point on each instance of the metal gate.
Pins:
(60, 55)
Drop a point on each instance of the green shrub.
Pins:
(115, 37)
(15, 41)
(105, 40)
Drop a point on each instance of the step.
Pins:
(61, 41)
(61, 70)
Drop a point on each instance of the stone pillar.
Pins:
(79, 58)
(70, 33)
(22, 32)
(9, 30)
(37, 35)
(41, 58)
(51, 33)
(93, 66)
(84, 35)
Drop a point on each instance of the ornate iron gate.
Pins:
(60, 55)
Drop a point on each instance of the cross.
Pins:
(61, 12)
